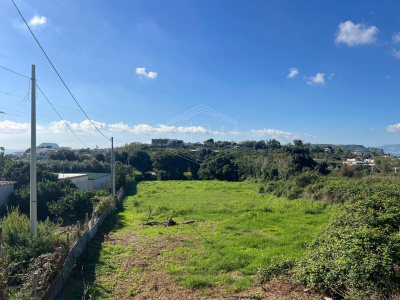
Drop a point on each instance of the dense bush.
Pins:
(47, 191)
(18, 245)
(357, 255)
(73, 206)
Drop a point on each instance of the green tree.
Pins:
(221, 168)
(141, 161)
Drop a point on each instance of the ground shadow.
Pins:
(84, 273)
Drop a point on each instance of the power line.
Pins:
(7, 69)
(59, 76)
(12, 95)
(65, 122)
(27, 113)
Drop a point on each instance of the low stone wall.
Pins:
(77, 249)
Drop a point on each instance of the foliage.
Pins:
(63, 155)
(169, 166)
(73, 206)
(220, 168)
(276, 269)
(357, 255)
(123, 175)
(88, 165)
(140, 160)
(98, 156)
(47, 191)
(19, 246)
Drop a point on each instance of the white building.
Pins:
(89, 181)
(6, 189)
(99, 181)
(80, 180)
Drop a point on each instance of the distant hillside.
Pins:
(357, 148)
(392, 149)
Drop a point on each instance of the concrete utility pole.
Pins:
(112, 168)
(33, 188)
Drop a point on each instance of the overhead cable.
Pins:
(58, 74)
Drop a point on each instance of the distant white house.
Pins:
(89, 181)
(80, 180)
(99, 181)
(6, 189)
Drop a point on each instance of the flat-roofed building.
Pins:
(80, 180)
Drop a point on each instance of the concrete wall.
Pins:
(69, 264)
(102, 183)
(81, 182)
(5, 191)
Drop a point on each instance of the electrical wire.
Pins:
(12, 95)
(14, 72)
(28, 113)
(65, 122)
(59, 76)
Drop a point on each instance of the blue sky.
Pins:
(321, 71)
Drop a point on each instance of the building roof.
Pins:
(93, 176)
(70, 175)
(7, 182)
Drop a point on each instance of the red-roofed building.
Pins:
(6, 189)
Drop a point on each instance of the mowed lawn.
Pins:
(236, 231)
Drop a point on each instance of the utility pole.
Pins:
(112, 168)
(33, 188)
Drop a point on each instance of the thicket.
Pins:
(356, 256)
(22, 255)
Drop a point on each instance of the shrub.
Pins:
(73, 207)
(356, 257)
(275, 270)
(19, 245)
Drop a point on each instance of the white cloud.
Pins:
(152, 75)
(355, 34)
(36, 20)
(396, 37)
(85, 127)
(393, 128)
(396, 53)
(331, 76)
(9, 127)
(280, 134)
(159, 129)
(118, 127)
(274, 133)
(142, 72)
(236, 132)
(293, 72)
(317, 79)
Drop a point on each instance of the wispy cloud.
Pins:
(396, 37)
(142, 72)
(36, 20)
(319, 78)
(331, 76)
(396, 53)
(355, 34)
(293, 72)
(278, 134)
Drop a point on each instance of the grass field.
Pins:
(236, 230)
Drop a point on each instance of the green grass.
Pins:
(236, 231)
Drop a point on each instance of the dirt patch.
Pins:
(142, 275)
